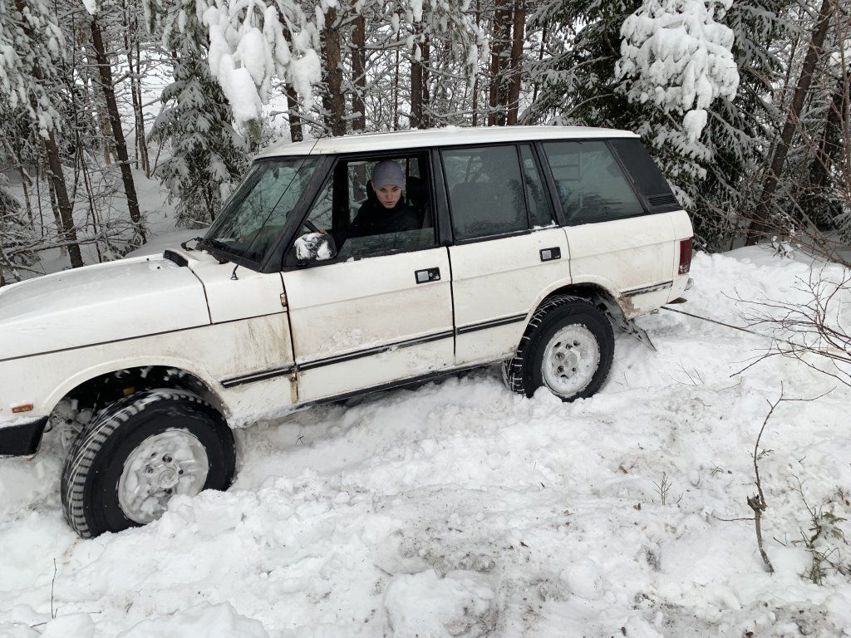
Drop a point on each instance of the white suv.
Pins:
(525, 245)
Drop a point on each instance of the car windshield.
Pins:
(254, 217)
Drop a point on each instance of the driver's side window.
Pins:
(365, 223)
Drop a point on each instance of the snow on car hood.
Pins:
(97, 304)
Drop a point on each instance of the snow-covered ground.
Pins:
(459, 509)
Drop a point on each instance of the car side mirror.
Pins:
(314, 247)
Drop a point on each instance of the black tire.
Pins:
(94, 465)
(523, 372)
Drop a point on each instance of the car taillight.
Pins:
(685, 255)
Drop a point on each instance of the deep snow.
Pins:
(461, 509)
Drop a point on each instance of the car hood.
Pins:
(99, 304)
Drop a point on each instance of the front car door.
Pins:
(381, 311)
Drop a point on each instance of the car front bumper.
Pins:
(21, 439)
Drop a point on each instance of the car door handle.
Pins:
(548, 254)
(427, 275)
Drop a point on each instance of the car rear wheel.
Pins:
(568, 347)
(139, 453)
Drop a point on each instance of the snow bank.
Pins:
(460, 509)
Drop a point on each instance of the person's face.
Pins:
(388, 195)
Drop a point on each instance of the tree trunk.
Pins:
(296, 134)
(425, 56)
(26, 182)
(333, 99)
(416, 81)
(475, 106)
(136, 92)
(498, 93)
(816, 202)
(519, 33)
(296, 129)
(117, 133)
(759, 226)
(540, 58)
(396, 92)
(63, 204)
(359, 72)
(830, 144)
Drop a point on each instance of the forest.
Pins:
(744, 105)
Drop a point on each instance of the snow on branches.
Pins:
(252, 42)
(674, 53)
(31, 45)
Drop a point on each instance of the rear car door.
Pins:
(618, 238)
(508, 252)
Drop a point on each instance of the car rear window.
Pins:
(590, 183)
(648, 179)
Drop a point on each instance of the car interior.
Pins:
(349, 189)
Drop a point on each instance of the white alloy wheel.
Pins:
(571, 358)
(162, 465)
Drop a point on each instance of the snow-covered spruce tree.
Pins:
(714, 175)
(31, 48)
(443, 47)
(736, 129)
(677, 57)
(207, 155)
(577, 84)
(764, 222)
(813, 198)
(254, 42)
(675, 54)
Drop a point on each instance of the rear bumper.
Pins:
(21, 439)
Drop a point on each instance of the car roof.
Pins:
(448, 136)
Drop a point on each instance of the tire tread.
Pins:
(516, 372)
(85, 449)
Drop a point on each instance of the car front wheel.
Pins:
(139, 453)
(568, 347)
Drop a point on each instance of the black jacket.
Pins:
(374, 219)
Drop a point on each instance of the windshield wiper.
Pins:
(185, 244)
(202, 243)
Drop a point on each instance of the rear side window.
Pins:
(590, 183)
(648, 179)
(485, 188)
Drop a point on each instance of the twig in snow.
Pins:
(757, 501)
(663, 487)
(52, 587)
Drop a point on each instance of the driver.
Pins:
(386, 212)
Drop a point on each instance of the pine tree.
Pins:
(207, 154)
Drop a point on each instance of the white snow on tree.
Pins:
(253, 42)
(31, 45)
(676, 55)
(208, 156)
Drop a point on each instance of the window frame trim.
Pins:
(459, 147)
(548, 191)
(274, 257)
(334, 160)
